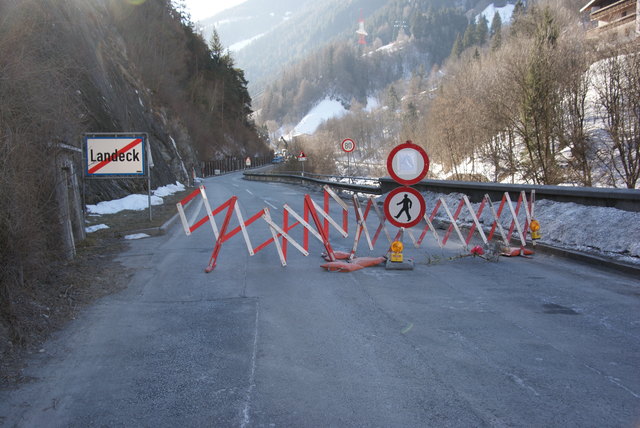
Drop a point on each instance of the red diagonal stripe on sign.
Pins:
(125, 149)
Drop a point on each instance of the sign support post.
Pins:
(407, 164)
(149, 195)
(302, 158)
(348, 145)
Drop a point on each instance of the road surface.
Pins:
(456, 342)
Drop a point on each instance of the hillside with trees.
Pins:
(533, 100)
(70, 67)
(266, 37)
(404, 39)
(546, 105)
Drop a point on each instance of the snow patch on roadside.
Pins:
(136, 236)
(135, 202)
(95, 228)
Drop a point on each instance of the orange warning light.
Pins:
(535, 229)
(396, 251)
(397, 247)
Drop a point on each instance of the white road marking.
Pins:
(270, 204)
(246, 418)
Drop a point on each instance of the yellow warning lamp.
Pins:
(396, 251)
(535, 229)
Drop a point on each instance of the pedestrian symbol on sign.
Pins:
(406, 206)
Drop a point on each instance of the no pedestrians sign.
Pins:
(404, 207)
(115, 155)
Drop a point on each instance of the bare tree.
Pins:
(572, 128)
(618, 91)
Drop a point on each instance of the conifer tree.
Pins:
(457, 47)
(217, 49)
(496, 32)
(482, 30)
(393, 100)
(469, 38)
(496, 24)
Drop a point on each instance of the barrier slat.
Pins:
(189, 197)
(454, 222)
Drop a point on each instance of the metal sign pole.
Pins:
(149, 196)
(149, 165)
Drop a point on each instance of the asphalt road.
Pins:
(464, 342)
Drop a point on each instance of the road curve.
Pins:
(458, 341)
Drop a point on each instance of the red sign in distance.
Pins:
(348, 145)
(408, 163)
(404, 207)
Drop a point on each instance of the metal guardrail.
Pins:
(367, 181)
(309, 179)
(623, 199)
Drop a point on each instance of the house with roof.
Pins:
(614, 16)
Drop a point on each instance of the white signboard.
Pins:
(115, 155)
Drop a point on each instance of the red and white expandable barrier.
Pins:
(223, 234)
(312, 211)
(321, 221)
(522, 229)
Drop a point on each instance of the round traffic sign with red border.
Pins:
(408, 163)
(404, 207)
(348, 145)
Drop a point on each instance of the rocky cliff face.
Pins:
(69, 67)
(111, 96)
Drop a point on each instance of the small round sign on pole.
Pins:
(348, 145)
(408, 163)
(302, 158)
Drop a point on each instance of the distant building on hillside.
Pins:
(621, 17)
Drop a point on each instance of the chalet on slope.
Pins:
(614, 16)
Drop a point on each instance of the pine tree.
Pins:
(393, 100)
(496, 32)
(496, 24)
(469, 38)
(217, 50)
(482, 30)
(457, 47)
